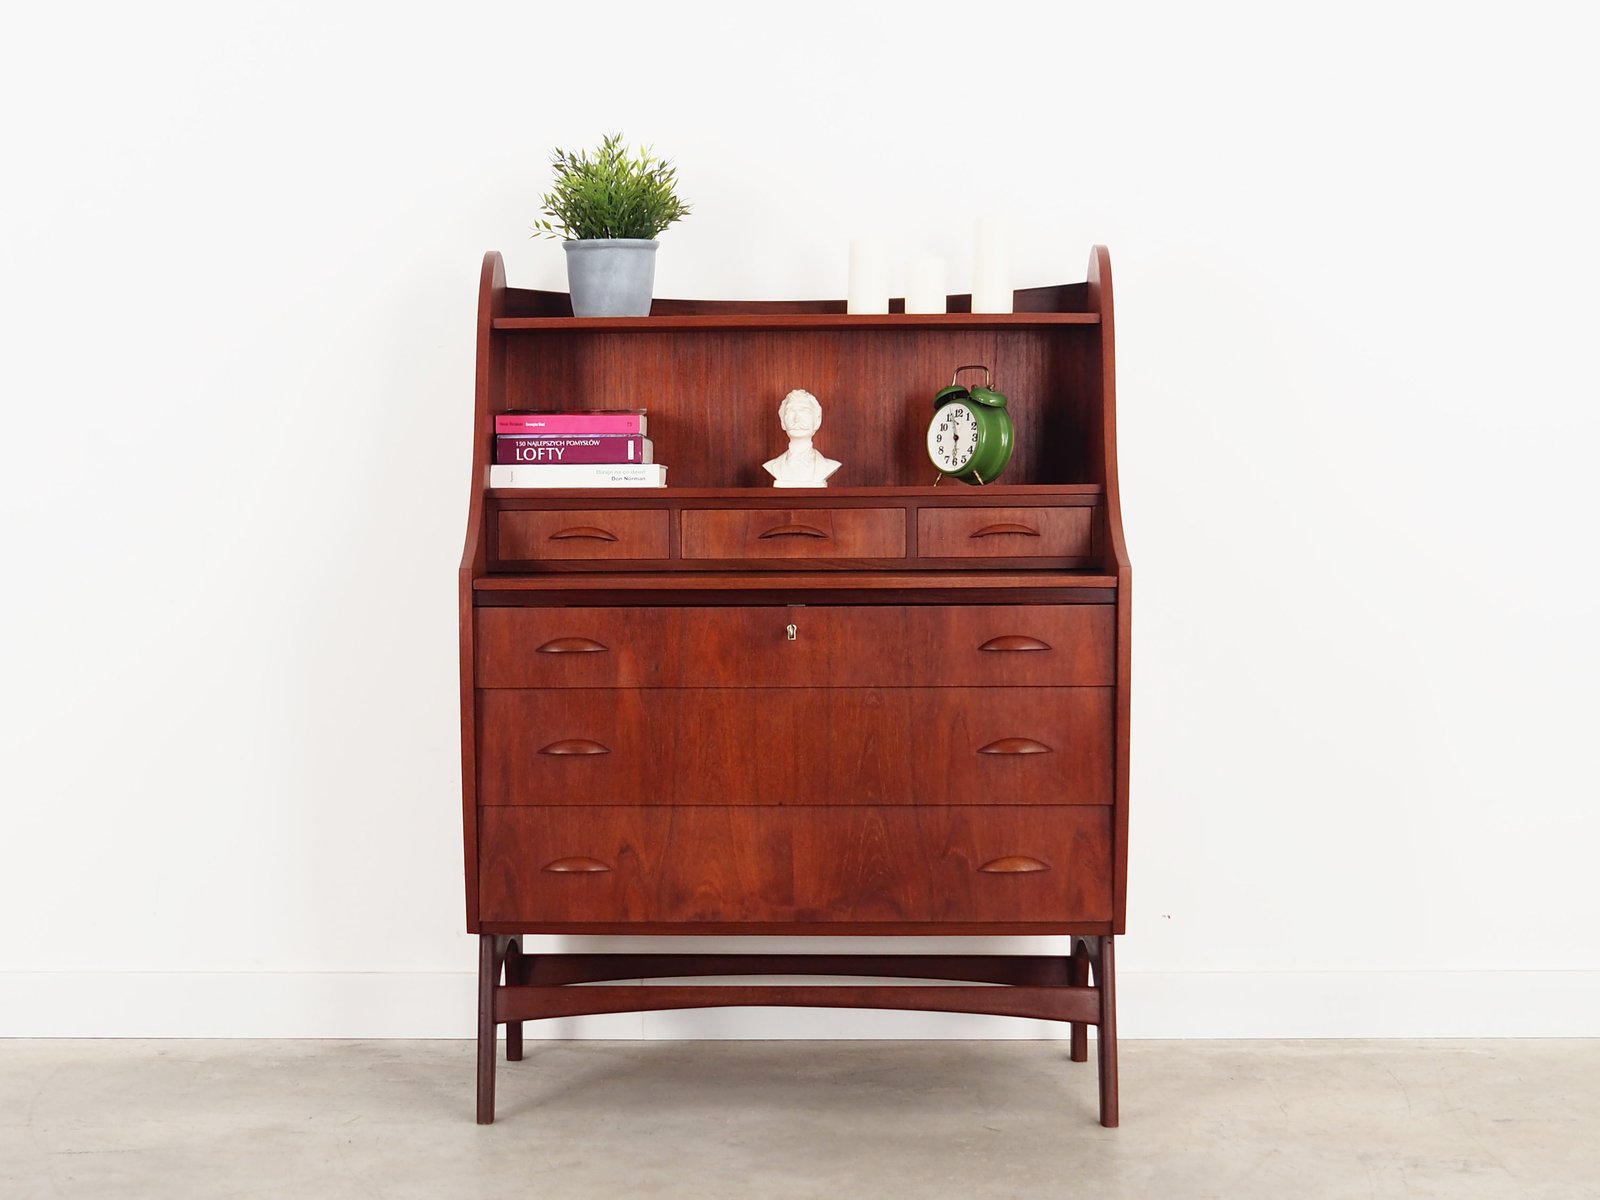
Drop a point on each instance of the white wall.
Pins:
(1356, 270)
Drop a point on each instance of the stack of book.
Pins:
(574, 449)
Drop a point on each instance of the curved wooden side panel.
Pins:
(1116, 553)
(1100, 297)
(490, 380)
(474, 557)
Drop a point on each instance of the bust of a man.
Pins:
(800, 465)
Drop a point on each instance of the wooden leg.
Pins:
(1080, 978)
(513, 976)
(1106, 1036)
(489, 957)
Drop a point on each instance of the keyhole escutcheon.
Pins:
(791, 631)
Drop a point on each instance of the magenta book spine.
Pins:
(568, 448)
(570, 423)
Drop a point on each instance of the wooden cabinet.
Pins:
(888, 706)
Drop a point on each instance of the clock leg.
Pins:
(514, 976)
(1079, 977)
(489, 958)
(1106, 1036)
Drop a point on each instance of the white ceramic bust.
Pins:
(800, 465)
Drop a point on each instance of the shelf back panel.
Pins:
(713, 396)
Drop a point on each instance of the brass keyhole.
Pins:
(791, 631)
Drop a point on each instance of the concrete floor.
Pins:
(173, 1119)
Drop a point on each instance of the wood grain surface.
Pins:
(795, 746)
(1014, 532)
(801, 864)
(833, 646)
(817, 533)
(578, 534)
(713, 393)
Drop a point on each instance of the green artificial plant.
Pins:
(614, 194)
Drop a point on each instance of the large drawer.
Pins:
(983, 646)
(827, 534)
(795, 746)
(574, 865)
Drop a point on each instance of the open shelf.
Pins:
(776, 321)
(894, 582)
(944, 493)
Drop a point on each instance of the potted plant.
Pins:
(609, 209)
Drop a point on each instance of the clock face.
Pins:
(953, 437)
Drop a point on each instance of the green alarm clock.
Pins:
(970, 437)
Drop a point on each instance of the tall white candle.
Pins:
(925, 284)
(869, 278)
(991, 266)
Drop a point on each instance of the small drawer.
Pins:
(809, 533)
(871, 646)
(527, 535)
(795, 746)
(937, 864)
(1005, 532)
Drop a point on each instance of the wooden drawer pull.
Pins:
(1011, 864)
(1015, 745)
(592, 532)
(583, 866)
(571, 645)
(780, 531)
(575, 746)
(1014, 641)
(1003, 527)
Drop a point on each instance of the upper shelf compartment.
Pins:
(713, 372)
(789, 320)
(1038, 307)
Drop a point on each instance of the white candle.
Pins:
(991, 266)
(925, 284)
(869, 280)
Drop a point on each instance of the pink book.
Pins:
(629, 421)
(572, 448)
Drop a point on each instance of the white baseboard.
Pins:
(1151, 1005)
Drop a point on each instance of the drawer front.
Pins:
(981, 646)
(527, 535)
(1005, 532)
(810, 533)
(573, 865)
(796, 746)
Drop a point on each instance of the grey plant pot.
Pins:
(611, 277)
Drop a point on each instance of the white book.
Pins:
(577, 475)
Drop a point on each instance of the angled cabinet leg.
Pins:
(1079, 977)
(1105, 969)
(491, 953)
(514, 976)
